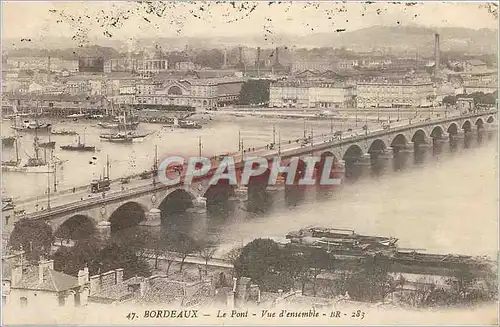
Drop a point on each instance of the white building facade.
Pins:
(319, 94)
(373, 95)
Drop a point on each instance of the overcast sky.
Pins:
(36, 20)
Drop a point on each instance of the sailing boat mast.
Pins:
(35, 141)
(17, 147)
(107, 166)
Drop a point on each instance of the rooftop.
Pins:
(216, 81)
(476, 62)
(54, 281)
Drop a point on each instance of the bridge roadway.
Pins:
(39, 203)
(68, 202)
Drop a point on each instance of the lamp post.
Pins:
(199, 146)
(279, 144)
(48, 186)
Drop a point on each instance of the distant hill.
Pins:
(398, 39)
(407, 38)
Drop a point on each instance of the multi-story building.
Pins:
(185, 65)
(331, 95)
(310, 94)
(157, 94)
(289, 94)
(122, 65)
(317, 66)
(27, 285)
(153, 66)
(58, 104)
(45, 63)
(474, 65)
(394, 94)
(347, 64)
(199, 93)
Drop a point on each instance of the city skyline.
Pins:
(95, 22)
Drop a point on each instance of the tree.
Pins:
(207, 251)
(319, 260)
(254, 92)
(261, 260)
(213, 58)
(71, 259)
(233, 254)
(33, 236)
(184, 245)
(100, 257)
(371, 280)
(114, 256)
(450, 100)
(158, 245)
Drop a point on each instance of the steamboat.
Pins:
(348, 246)
(79, 146)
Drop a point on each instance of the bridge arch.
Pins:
(354, 151)
(175, 202)
(77, 227)
(127, 215)
(452, 128)
(467, 126)
(329, 154)
(437, 132)
(419, 137)
(219, 192)
(299, 172)
(399, 141)
(490, 120)
(377, 146)
(479, 123)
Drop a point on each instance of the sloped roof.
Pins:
(55, 97)
(476, 62)
(54, 281)
(113, 293)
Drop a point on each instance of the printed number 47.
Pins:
(131, 315)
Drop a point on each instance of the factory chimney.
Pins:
(277, 57)
(224, 65)
(437, 54)
(48, 70)
(257, 63)
(241, 55)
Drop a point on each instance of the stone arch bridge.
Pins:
(146, 200)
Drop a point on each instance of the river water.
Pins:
(217, 137)
(444, 203)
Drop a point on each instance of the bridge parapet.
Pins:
(198, 190)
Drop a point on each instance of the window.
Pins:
(24, 302)
(62, 300)
(51, 104)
